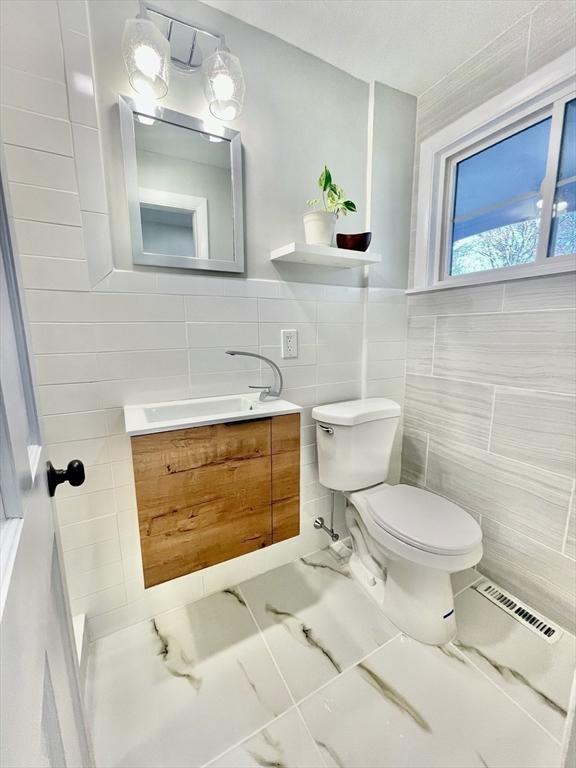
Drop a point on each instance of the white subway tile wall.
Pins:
(103, 339)
(95, 351)
(89, 363)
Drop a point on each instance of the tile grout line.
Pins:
(247, 738)
(486, 313)
(478, 382)
(267, 646)
(534, 541)
(571, 504)
(309, 732)
(454, 440)
(462, 655)
(349, 668)
(492, 412)
(426, 460)
(529, 40)
(476, 53)
(298, 702)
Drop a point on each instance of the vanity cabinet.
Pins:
(211, 493)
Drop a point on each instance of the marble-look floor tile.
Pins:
(285, 743)
(181, 689)
(415, 706)
(316, 619)
(533, 672)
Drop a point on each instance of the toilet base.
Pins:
(420, 602)
(373, 585)
(417, 599)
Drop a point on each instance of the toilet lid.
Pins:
(424, 520)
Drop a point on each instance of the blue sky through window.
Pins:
(496, 203)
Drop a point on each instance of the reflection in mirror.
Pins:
(184, 191)
(166, 231)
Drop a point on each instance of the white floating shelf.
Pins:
(323, 255)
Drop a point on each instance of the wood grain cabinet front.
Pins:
(209, 494)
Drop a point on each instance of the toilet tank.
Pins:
(354, 440)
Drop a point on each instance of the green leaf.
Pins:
(335, 194)
(325, 180)
(350, 206)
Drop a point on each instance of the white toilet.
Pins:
(406, 541)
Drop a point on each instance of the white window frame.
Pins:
(541, 95)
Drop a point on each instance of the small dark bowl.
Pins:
(359, 242)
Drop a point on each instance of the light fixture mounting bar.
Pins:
(176, 26)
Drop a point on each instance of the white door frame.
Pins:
(41, 709)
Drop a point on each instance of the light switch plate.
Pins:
(289, 343)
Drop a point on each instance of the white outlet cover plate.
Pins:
(289, 343)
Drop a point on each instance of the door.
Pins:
(41, 712)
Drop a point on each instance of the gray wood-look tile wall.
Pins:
(490, 423)
(490, 412)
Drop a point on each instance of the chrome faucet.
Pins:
(267, 391)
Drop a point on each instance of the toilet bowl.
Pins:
(406, 541)
(419, 538)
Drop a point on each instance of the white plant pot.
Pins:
(319, 227)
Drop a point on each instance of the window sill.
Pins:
(557, 266)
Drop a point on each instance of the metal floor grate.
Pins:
(548, 631)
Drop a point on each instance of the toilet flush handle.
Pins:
(327, 430)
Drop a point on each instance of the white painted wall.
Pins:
(146, 335)
(392, 163)
(299, 114)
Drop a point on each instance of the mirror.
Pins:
(184, 189)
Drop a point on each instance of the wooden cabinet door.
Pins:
(204, 496)
(285, 447)
(208, 494)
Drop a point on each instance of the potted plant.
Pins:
(319, 225)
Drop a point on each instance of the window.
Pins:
(563, 239)
(497, 202)
(497, 191)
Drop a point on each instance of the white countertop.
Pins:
(181, 414)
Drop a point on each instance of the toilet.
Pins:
(406, 541)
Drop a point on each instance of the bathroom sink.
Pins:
(179, 414)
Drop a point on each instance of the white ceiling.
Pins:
(408, 44)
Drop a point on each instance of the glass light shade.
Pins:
(147, 57)
(224, 85)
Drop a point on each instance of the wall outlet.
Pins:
(289, 343)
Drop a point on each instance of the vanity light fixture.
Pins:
(190, 48)
(146, 55)
(224, 86)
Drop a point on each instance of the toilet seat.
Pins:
(422, 519)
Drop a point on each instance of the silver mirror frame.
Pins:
(128, 107)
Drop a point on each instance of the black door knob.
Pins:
(73, 474)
